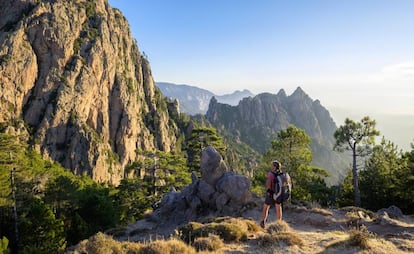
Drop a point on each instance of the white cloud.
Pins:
(399, 71)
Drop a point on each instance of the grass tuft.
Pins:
(101, 243)
(277, 227)
(227, 228)
(171, 246)
(210, 243)
(360, 237)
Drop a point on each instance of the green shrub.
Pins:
(4, 243)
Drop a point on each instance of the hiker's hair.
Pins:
(277, 164)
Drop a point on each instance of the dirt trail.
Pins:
(321, 231)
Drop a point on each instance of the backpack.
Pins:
(283, 187)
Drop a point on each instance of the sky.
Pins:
(355, 56)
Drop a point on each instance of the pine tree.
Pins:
(381, 177)
(292, 148)
(357, 137)
(199, 139)
(40, 231)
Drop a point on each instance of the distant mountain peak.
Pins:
(194, 100)
(299, 94)
(257, 121)
(282, 93)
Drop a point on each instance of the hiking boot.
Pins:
(262, 224)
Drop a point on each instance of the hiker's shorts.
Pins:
(269, 199)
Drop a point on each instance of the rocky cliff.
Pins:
(194, 100)
(257, 120)
(72, 71)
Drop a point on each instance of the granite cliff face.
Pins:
(257, 120)
(72, 71)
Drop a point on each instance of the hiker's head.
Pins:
(276, 166)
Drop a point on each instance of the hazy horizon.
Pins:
(356, 56)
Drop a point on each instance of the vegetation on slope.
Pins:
(70, 208)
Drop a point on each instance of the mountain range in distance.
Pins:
(194, 100)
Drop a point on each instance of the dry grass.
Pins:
(227, 228)
(277, 227)
(279, 239)
(171, 246)
(224, 235)
(210, 243)
(279, 233)
(132, 248)
(360, 237)
(101, 243)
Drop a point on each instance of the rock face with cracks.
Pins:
(73, 73)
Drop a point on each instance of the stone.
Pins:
(393, 212)
(221, 201)
(236, 187)
(212, 166)
(195, 203)
(205, 191)
(227, 197)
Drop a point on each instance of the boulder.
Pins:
(212, 166)
(205, 191)
(392, 211)
(236, 187)
(217, 193)
(221, 201)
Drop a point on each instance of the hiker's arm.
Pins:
(269, 185)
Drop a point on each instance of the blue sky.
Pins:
(354, 55)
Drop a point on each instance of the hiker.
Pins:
(276, 168)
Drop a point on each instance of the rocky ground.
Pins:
(321, 231)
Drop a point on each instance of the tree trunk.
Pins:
(357, 194)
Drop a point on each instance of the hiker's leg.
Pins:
(265, 211)
(278, 208)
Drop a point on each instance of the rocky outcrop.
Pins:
(256, 121)
(218, 192)
(73, 72)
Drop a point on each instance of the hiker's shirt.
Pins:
(271, 182)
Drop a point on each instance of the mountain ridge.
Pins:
(194, 100)
(256, 121)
